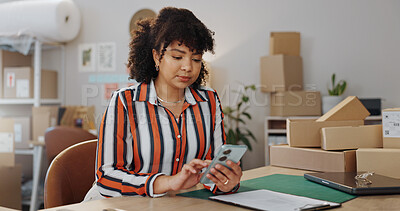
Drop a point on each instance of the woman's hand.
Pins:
(188, 177)
(224, 178)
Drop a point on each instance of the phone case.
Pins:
(225, 153)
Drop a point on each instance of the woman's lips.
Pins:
(184, 78)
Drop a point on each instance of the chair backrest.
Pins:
(70, 175)
(61, 137)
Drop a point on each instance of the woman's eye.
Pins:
(177, 57)
(196, 60)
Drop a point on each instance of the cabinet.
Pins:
(275, 129)
(24, 107)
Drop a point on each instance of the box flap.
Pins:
(350, 108)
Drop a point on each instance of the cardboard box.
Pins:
(43, 117)
(287, 43)
(295, 103)
(307, 132)
(281, 73)
(12, 59)
(380, 161)
(22, 132)
(19, 83)
(391, 127)
(314, 159)
(10, 187)
(340, 138)
(7, 157)
(49, 84)
(349, 109)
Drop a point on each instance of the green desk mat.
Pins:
(290, 184)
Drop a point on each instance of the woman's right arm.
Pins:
(115, 153)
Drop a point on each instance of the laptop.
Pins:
(346, 182)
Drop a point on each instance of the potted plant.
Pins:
(235, 125)
(335, 94)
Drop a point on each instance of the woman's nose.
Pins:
(187, 65)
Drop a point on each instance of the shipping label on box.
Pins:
(22, 132)
(391, 124)
(391, 127)
(314, 159)
(380, 161)
(6, 143)
(295, 103)
(307, 132)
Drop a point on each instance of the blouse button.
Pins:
(177, 160)
(179, 136)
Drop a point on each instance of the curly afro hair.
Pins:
(171, 24)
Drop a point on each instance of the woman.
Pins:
(157, 135)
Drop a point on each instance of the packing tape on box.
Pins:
(46, 20)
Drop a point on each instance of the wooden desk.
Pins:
(173, 202)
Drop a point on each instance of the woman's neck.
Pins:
(168, 93)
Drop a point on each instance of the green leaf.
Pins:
(240, 104)
(247, 114)
(230, 138)
(246, 141)
(245, 99)
(333, 80)
(251, 135)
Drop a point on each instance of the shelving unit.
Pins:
(276, 126)
(37, 150)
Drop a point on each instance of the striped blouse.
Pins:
(139, 139)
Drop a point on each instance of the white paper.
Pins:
(271, 200)
(106, 56)
(22, 88)
(6, 142)
(391, 124)
(18, 132)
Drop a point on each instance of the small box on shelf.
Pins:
(18, 83)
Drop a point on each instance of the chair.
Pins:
(61, 137)
(70, 175)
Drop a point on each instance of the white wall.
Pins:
(359, 40)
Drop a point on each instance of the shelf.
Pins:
(277, 131)
(28, 101)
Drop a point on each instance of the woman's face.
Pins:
(179, 67)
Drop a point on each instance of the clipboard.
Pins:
(270, 200)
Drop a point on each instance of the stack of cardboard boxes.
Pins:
(384, 161)
(339, 141)
(10, 174)
(282, 76)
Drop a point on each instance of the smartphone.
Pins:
(226, 152)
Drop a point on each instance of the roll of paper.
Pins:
(46, 20)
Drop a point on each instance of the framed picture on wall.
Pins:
(87, 57)
(106, 56)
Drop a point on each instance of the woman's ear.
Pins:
(156, 57)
